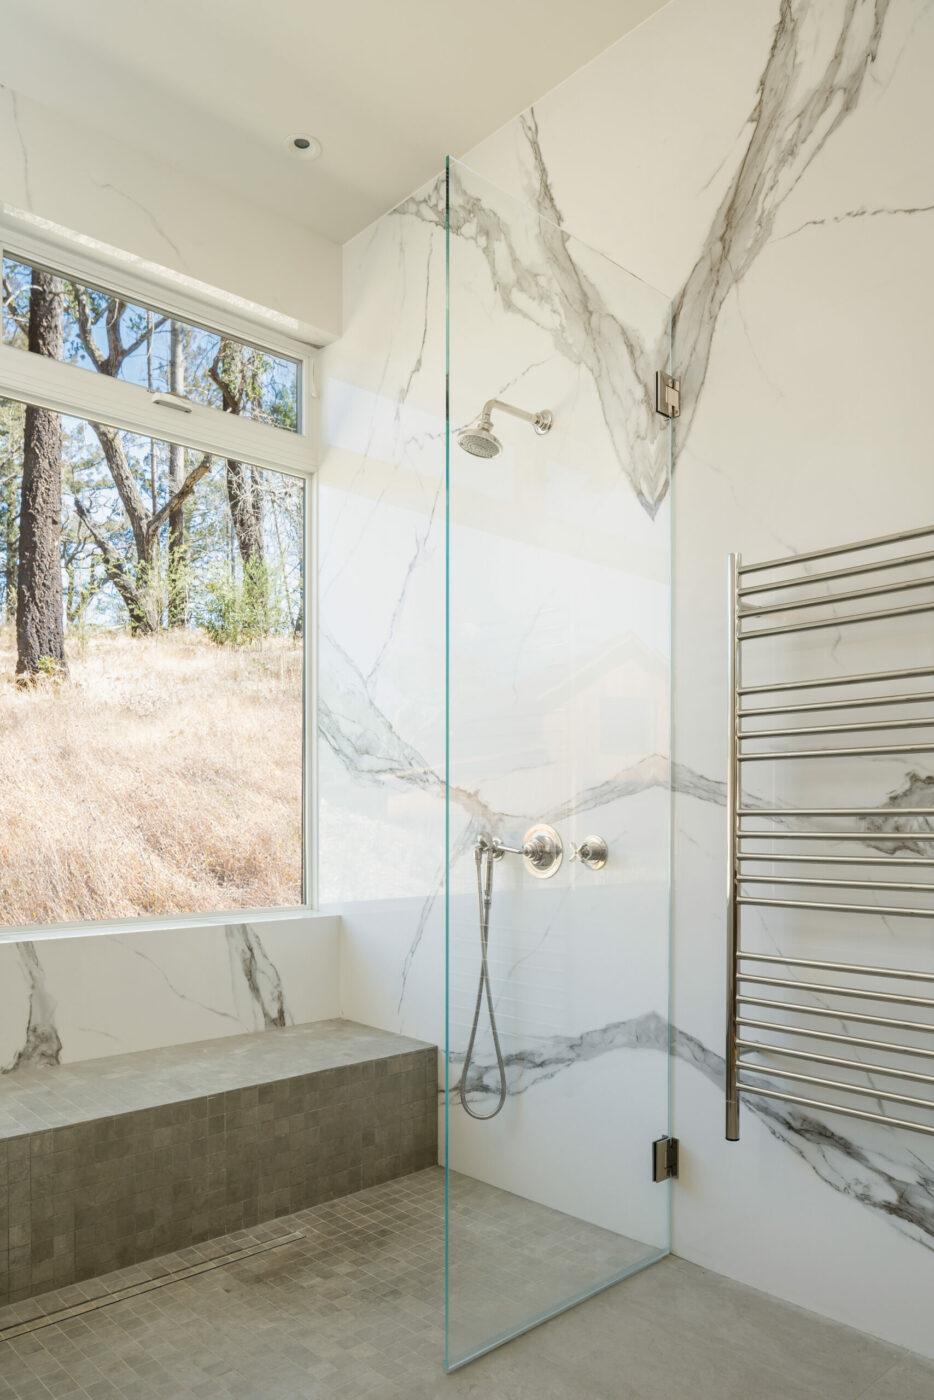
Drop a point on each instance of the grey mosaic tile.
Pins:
(166, 1080)
(102, 1193)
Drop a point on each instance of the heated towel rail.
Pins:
(764, 987)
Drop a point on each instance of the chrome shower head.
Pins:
(480, 441)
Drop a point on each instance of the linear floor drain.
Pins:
(133, 1290)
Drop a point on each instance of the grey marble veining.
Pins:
(547, 1056)
(811, 84)
(895, 1184)
(260, 974)
(557, 295)
(17, 124)
(231, 976)
(43, 1045)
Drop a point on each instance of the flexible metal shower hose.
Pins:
(483, 851)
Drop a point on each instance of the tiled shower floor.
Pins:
(352, 1309)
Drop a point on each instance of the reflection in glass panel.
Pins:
(122, 339)
(151, 676)
(559, 668)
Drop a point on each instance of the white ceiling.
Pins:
(387, 86)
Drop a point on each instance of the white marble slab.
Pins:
(68, 999)
(775, 185)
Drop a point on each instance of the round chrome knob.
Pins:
(542, 851)
(591, 852)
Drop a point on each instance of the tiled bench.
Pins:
(113, 1161)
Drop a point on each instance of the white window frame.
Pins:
(83, 393)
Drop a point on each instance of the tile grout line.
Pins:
(134, 1290)
(878, 1380)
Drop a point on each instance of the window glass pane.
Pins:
(104, 333)
(151, 676)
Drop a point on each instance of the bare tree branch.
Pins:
(86, 328)
(181, 495)
(117, 352)
(117, 572)
(125, 482)
(112, 324)
(141, 339)
(111, 557)
(9, 300)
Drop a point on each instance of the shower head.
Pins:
(481, 442)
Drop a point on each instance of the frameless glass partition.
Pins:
(558, 768)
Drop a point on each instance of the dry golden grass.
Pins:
(164, 777)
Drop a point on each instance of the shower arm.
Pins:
(490, 404)
(541, 421)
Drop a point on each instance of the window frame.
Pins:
(82, 393)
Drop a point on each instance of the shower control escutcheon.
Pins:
(591, 852)
(542, 851)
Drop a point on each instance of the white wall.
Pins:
(92, 183)
(381, 627)
(778, 187)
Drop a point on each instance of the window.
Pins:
(108, 333)
(152, 616)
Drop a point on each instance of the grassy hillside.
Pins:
(164, 777)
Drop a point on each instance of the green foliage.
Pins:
(239, 611)
(48, 672)
(49, 668)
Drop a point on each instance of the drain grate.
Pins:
(133, 1290)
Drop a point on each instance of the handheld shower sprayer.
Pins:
(542, 852)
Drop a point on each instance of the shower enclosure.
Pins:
(558, 792)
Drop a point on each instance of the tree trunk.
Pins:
(245, 494)
(178, 581)
(144, 612)
(40, 639)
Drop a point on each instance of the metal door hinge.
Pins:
(667, 395)
(665, 1158)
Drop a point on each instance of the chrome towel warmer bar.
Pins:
(749, 973)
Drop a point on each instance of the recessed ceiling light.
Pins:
(304, 147)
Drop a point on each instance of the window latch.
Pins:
(176, 401)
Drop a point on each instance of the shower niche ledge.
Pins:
(113, 1161)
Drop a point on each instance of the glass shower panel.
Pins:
(558, 718)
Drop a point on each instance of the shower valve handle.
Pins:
(542, 851)
(591, 852)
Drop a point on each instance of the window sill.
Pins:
(189, 923)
